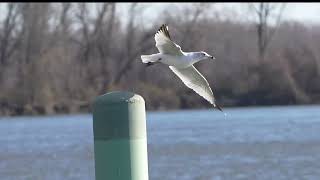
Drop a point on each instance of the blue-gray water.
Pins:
(249, 143)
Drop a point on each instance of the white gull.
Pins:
(181, 63)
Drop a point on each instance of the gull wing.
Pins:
(164, 43)
(193, 79)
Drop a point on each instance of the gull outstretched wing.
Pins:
(164, 43)
(193, 79)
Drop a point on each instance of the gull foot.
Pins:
(149, 64)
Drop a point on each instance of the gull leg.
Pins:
(150, 64)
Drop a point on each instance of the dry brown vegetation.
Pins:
(57, 57)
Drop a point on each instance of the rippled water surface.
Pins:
(248, 143)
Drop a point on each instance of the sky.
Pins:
(303, 12)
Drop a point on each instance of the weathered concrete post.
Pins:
(120, 138)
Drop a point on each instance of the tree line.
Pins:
(57, 57)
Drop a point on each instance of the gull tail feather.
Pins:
(150, 58)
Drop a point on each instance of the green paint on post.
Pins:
(120, 139)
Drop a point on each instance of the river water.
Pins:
(279, 142)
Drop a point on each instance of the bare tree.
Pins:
(264, 13)
(190, 27)
(94, 45)
(84, 43)
(34, 21)
(134, 45)
(7, 39)
(186, 20)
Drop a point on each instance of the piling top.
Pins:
(117, 97)
(119, 115)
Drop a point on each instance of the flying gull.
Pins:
(181, 63)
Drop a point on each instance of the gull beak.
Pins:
(212, 57)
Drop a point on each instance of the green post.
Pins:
(120, 138)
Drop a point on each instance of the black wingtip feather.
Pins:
(164, 29)
(218, 107)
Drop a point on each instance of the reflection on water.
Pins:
(248, 143)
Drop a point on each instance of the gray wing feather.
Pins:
(193, 79)
(164, 43)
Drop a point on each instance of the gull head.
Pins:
(203, 55)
